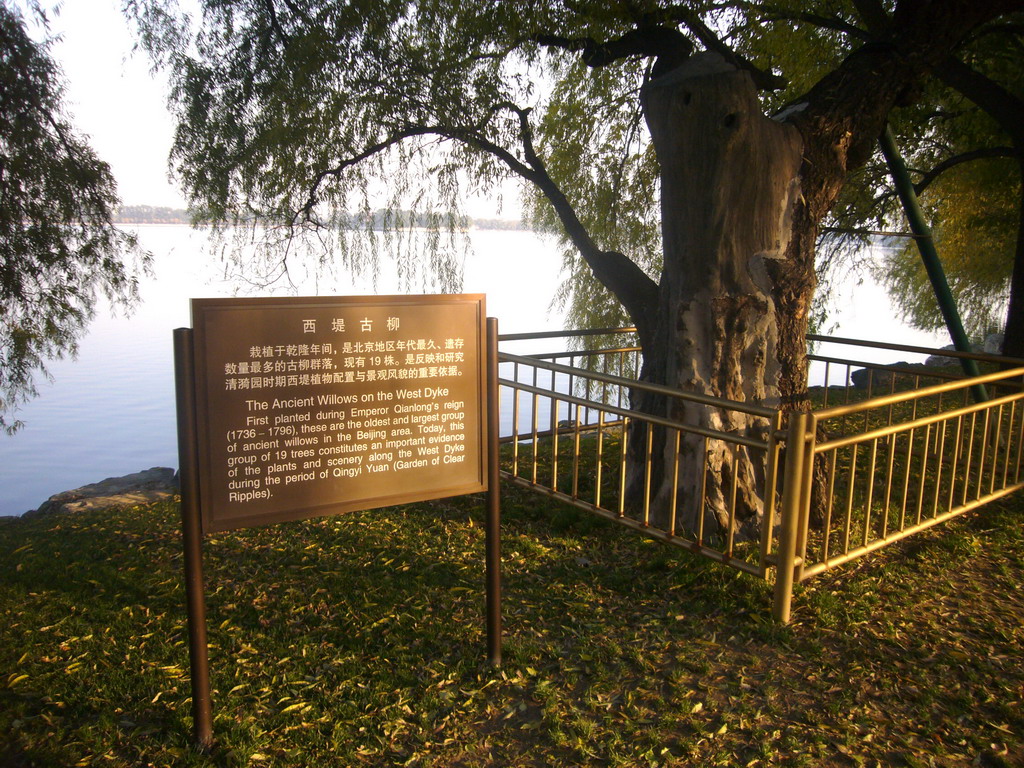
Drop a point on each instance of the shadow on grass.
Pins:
(359, 640)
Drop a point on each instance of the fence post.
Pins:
(793, 497)
(192, 539)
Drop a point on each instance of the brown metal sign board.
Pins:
(316, 406)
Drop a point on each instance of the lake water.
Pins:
(111, 411)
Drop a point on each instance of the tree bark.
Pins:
(730, 180)
(742, 199)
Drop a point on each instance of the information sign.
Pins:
(315, 406)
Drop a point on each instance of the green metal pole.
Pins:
(930, 257)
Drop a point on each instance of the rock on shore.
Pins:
(143, 487)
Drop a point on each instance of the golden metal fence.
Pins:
(572, 435)
(910, 464)
(888, 450)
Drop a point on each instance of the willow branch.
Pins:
(637, 292)
(835, 23)
(275, 25)
(763, 79)
(966, 157)
(620, 275)
(668, 45)
(374, 149)
(1003, 106)
(874, 15)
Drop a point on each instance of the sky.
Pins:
(115, 101)
(120, 105)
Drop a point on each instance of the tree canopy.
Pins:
(58, 247)
(975, 207)
(963, 141)
(686, 165)
(298, 111)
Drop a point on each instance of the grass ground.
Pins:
(359, 641)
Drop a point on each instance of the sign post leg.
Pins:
(493, 536)
(199, 666)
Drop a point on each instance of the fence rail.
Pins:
(887, 450)
(892, 478)
(573, 436)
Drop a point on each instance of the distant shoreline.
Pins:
(150, 214)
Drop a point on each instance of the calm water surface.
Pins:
(111, 411)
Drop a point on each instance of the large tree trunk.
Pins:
(742, 199)
(730, 181)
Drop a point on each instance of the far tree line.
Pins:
(378, 220)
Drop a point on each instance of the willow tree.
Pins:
(623, 117)
(59, 247)
(971, 179)
(963, 138)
